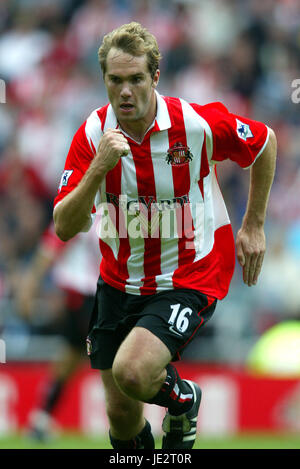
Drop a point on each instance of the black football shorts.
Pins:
(174, 316)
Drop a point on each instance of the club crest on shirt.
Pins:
(179, 154)
(65, 178)
(243, 130)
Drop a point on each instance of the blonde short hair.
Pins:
(133, 39)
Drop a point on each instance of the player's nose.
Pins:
(125, 91)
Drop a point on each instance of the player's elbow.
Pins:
(63, 236)
(66, 227)
(60, 230)
(61, 233)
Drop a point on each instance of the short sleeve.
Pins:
(233, 137)
(78, 160)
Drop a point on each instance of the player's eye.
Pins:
(137, 79)
(115, 80)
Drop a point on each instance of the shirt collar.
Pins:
(162, 120)
(162, 114)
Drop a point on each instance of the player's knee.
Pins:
(129, 378)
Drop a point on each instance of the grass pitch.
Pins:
(79, 441)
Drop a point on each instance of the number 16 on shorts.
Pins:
(179, 319)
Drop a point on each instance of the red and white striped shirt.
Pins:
(169, 180)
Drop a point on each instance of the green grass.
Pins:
(79, 441)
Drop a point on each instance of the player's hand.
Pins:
(251, 247)
(113, 145)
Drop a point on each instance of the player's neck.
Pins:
(138, 129)
(137, 133)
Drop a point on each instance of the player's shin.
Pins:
(144, 440)
(175, 394)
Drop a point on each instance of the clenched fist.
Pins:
(113, 145)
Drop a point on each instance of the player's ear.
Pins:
(155, 79)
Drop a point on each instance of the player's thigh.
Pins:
(175, 317)
(117, 403)
(142, 353)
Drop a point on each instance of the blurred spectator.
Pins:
(23, 46)
(74, 268)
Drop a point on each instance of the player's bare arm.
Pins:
(73, 212)
(250, 241)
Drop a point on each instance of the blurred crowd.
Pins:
(245, 53)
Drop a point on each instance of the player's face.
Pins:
(130, 86)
